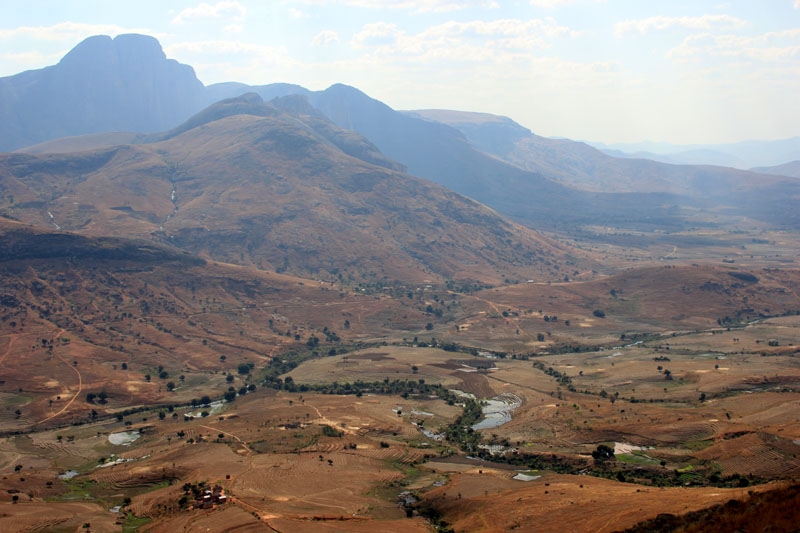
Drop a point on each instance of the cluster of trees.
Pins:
(562, 378)
(101, 397)
(460, 432)
(404, 388)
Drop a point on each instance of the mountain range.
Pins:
(539, 182)
(277, 186)
(743, 155)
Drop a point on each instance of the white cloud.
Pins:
(552, 4)
(225, 9)
(378, 34)
(797, 4)
(704, 22)
(32, 59)
(418, 6)
(234, 60)
(325, 38)
(298, 14)
(69, 31)
(233, 28)
(768, 47)
(222, 48)
(461, 41)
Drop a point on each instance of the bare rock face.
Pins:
(103, 84)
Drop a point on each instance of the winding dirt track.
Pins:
(80, 384)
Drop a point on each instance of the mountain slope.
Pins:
(106, 313)
(274, 189)
(444, 155)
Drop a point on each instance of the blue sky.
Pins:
(601, 70)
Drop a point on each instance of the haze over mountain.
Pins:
(742, 155)
(629, 190)
(574, 163)
(537, 181)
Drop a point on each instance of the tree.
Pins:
(599, 313)
(603, 453)
(243, 368)
(170, 386)
(429, 326)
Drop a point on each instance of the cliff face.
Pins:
(103, 84)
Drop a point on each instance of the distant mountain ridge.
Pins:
(742, 155)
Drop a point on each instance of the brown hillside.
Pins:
(83, 315)
(274, 192)
(659, 298)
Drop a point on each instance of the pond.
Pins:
(123, 438)
(525, 477)
(497, 411)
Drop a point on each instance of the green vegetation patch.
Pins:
(635, 459)
(81, 488)
(697, 445)
(14, 400)
(132, 523)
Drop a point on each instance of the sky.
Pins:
(704, 72)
